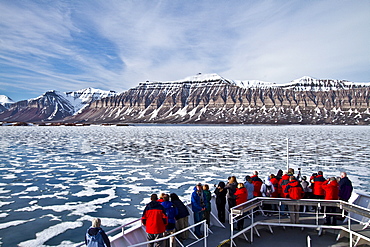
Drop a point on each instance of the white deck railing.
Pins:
(357, 219)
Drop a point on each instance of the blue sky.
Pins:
(113, 45)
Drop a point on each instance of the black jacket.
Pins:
(181, 209)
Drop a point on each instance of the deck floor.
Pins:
(281, 236)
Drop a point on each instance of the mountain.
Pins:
(52, 105)
(5, 102)
(307, 83)
(212, 99)
(205, 99)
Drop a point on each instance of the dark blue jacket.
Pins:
(345, 189)
(171, 211)
(196, 205)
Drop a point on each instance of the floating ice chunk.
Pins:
(53, 217)
(115, 204)
(14, 223)
(33, 188)
(5, 203)
(32, 202)
(49, 233)
(9, 176)
(3, 215)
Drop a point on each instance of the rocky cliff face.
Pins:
(47, 107)
(52, 106)
(215, 100)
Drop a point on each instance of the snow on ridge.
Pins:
(199, 78)
(203, 77)
(309, 83)
(254, 84)
(5, 100)
(81, 98)
(87, 93)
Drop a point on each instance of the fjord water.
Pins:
(54, 180)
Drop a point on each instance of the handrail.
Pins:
(204, 222)
(256, 203)
(114, 230)
(123, 226)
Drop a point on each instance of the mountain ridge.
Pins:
(207, 99)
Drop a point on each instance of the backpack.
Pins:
(268, 190)
(95, 240)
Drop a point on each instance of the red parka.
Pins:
(257, 182)
(282, 184)
(331, 190)
(154, 218)
(241, 195)
(294, 190)
(317, 185)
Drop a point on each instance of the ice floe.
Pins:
(64, 177)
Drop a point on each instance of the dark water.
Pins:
(54, 180)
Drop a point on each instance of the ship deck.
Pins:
(277, 236)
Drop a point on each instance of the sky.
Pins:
(68, 45)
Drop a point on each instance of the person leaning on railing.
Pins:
(95, 235)
(182, 220)
(331, 188)
(154, 219)
(295, 192)
(345, 187)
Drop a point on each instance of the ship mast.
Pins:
(287, 154)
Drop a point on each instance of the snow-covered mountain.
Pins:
(82, 98)
(205, 99)
(212, 99)
(5, 102)
(53, 105)
(307, 83)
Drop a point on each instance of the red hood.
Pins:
(294, 183)
(333, 183)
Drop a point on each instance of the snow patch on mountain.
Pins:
(82, 98)
(5, 100)
(307, 83)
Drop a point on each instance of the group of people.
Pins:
(283, 185)
(165, 214)
(162, 216)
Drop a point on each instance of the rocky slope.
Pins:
(211, 99)
(52, 106)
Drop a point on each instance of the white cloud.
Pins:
(116, 44)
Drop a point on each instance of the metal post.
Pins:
(287, 154)
(205, 233)
(231, 222)
(350, 231)
(252, 219)
(308, 241)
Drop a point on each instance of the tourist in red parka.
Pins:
(331, 188)
(318, 191)
(295, 192)
(154, 219)
(282, 184)
(257, 182)
(241, 195)
(275, 182)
